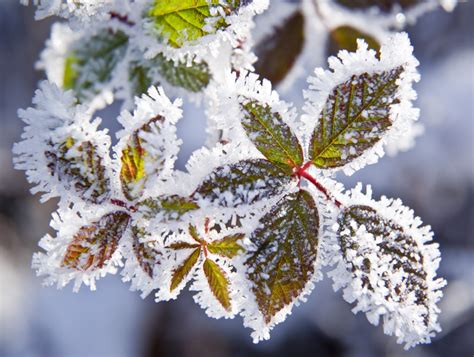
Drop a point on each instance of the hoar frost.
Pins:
(257, 213)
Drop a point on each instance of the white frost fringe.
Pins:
(403, 319)
(396, 51)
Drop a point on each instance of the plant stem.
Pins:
(301, 172)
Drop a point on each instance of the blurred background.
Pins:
(436, 179)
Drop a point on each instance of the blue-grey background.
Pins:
(436, 178)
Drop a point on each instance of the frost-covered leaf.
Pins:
(139, 78)
(181, 21)
(393, 242)
(92, 61)
(383, 5)
(93, 245)
(79, 167)
(148, 145)
(180, 273)
(194, 77)
(387, 268)
(218, 282)
(168, 207)
(278, 51)
(271, 135)
(146, 255)
(227, 246)
(62, 150)
(133, 174)
(286, 250)
(244, 182)
(345, 38)
(354, 118)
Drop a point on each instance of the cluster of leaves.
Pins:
(333, 25)
(257, 215)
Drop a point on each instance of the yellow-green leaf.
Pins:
(218, 283)
(272, 136)
(227, 246)
(183, 245)
(170, 207)
(132, 174)
(180, 273)
(354, 118)
(181, 21)
(345, 38)
(93, 245)
(287, 246)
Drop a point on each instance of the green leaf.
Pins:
(287, 246)
(171, 207)
(193, 78)
(91, 62)
(180, 273)
(133, 175)
(227, 246)
(183, 245)
(181, 21)
(278, 51)
(345, 38)
(140, 79)
(93, 245)
(399, 250)
(244, 182)
(272, 136)
(383, 5)
(218, 283)
(146, 255)
(79, 167)
(354, 118)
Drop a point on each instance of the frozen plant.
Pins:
(257, 213)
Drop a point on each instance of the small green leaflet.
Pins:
(79, 167)
(244, 182)
(93, 245)
(218, 282)
(180, 273)
(227, 246)
(146, 255)
(170, 207)
(345, 38)
(215, 275)
(194, 77)
(383, 5)
(354, 118)
(181, 21)
(278, 51)
(92, 61)
(287, 246)
(397, 249)
(139, 78)
(272, 136)
(133, 174)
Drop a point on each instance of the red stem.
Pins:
(122, 204)
(301, 172)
